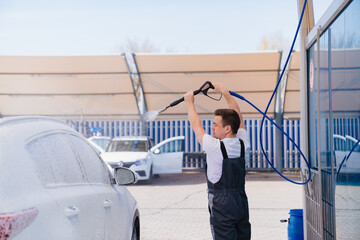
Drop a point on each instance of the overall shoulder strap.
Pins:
(223, 150)
(242, 153)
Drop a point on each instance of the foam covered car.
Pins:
(54, 185)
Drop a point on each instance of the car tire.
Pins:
(149, 181)
(134, 235)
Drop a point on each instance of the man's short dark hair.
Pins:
(229, 117)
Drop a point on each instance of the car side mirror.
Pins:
(157, 151)
(124, 176)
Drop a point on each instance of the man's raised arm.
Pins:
(194, 118)
(232, 104)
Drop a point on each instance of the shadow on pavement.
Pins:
(190, 178)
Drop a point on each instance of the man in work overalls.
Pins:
(225, 172)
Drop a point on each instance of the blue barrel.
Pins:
(296, 226)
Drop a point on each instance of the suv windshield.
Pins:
(128, 146)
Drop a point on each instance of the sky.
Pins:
(94, 27)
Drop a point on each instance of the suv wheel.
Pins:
(150, 176)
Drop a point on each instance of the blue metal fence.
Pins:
(162, 129)
(347, 126)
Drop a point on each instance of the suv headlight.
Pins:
(141, 162)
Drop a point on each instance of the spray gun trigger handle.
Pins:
(195, 93)
(210, 85)
(207, 83)
(204, 91)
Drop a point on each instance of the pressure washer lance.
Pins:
(150, 116)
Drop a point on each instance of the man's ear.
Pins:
(228, 129)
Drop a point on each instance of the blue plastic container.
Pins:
(296, 226)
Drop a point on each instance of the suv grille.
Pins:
(128, 164)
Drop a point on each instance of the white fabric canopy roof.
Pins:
(100, 87)
(165, 78)
(96, 87)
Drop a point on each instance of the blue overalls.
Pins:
(228, 205)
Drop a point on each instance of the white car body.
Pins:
(53, 185)
(165, 157)
(343, 146)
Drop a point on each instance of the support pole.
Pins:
(318, 131)
(279, 139)
(138, 91)
(279, 117)
(306, 26)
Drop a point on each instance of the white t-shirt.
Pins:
(214, 158)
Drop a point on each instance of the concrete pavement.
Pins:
(175, 206)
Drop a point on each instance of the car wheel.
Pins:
(150, 176)
(134, 235)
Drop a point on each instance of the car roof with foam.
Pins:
(29, 125)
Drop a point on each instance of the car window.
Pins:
(128, 146)
(55, 160)
(92, 164)
(173, 146)
(101, 142)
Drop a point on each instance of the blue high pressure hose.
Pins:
(265, 116)
(277, 126)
